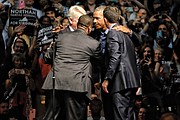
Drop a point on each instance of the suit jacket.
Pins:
(72, 62)
(122, 71)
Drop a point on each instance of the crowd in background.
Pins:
(155, 26)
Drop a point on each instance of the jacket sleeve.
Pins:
(114, 53)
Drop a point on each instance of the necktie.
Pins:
(103, 41)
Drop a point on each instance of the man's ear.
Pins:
(89, 29)
(105, 21)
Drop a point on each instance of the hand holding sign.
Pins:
(19, 29)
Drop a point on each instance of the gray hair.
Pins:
(75, 12)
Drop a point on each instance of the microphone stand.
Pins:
(53, 77)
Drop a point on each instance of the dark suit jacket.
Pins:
(121, 71)
(72, 62)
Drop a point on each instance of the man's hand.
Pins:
(122, 29)
(105, 85)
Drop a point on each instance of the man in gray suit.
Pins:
(121, 78)
(72, 72)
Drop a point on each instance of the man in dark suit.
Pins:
(72, 72)
(122, 77)
(100, 34)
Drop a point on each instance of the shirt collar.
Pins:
(105, 32)
(112, 26)
(71, 29)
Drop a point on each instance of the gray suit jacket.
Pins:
(122, 71)
(72, 62)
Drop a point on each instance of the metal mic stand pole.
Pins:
(53, 78)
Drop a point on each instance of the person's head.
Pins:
(156, 6)
(158, 54)
(43, 3)
(18, 60)
(142, 113)
(4, 108)
(169, 116)
(162, 27)
(29, 3)
(69, 3)
(123, 3)
(50, 12)
(99, 18)
(45, 21)
(73, 15)
(20, 45)
(65, 22)
(85, 22)
(138, 101)
(163, 36)
(96, 107)
(147, 52)
(142, 13)
(111, 15)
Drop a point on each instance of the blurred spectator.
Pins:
(50, 12)
(43, 4)
(164, 41)
(39, 68)
(64, 22)
(57, 5)
(29, 5)
(90, 6)
(142, 113)
(137, 103)
(169, 116)
(67, 4)
(4, 110)
(151, 86)
(19, 46)
(96, 108)
(18, 86)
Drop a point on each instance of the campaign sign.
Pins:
(45, 35)
(22, 16)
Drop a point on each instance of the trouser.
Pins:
(123, 102)
(68, 106)
(107, 105)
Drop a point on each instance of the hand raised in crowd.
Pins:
(167, 18)
(36, 24)
(146, 61)
(136, 21)
(153, 18)
(19, 29)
